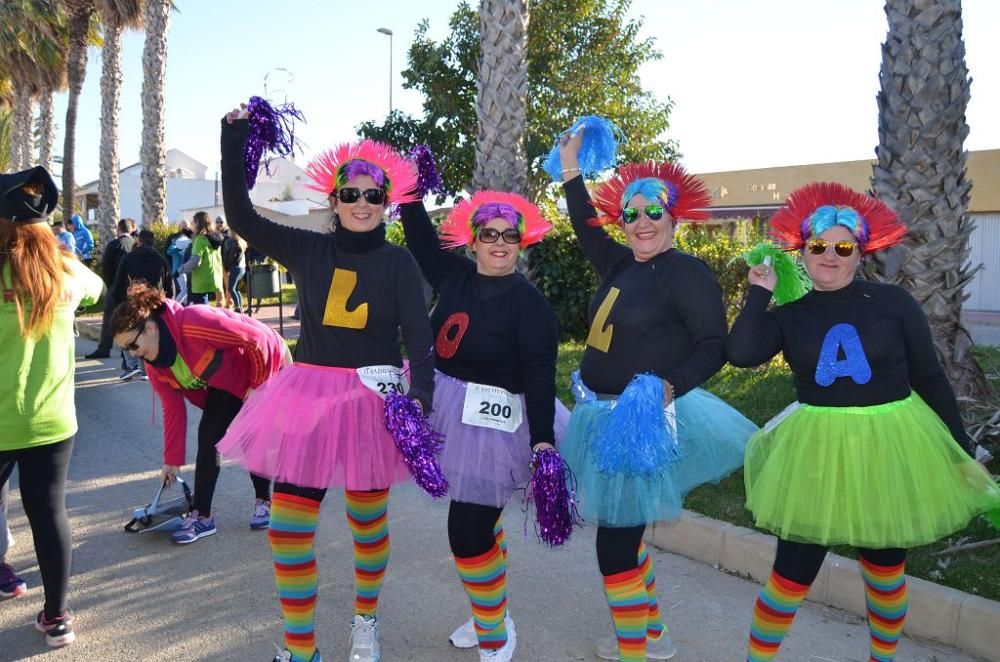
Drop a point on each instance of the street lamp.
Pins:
(388, 32)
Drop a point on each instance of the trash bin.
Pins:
(264, 280)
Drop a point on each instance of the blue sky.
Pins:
(756, 84)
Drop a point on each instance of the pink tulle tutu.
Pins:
(483, 466)
(315, 426)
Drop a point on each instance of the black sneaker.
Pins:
(58, 631)
(98, 354)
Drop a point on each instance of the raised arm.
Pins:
(422, 240)
(284, 244)
(416, 327)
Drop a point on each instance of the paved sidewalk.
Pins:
(138, 597)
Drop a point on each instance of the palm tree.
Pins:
(82, 33)
(5, 133)
(153, 153)
(921, 171)
(117, 16)
(502, 86)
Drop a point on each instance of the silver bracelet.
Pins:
(569, 170)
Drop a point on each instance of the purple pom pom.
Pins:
(418, 443)
(551, 490)
(271, 130)
(428, 178)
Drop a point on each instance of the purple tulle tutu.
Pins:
(483, 466)
(315, 426)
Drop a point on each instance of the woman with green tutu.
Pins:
(876, 455)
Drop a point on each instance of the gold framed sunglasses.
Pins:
(841, 248)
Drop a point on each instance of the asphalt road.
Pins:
(139, 597)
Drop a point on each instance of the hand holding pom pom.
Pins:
(417, 441)
(550, 491)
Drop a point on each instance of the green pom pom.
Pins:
(993, 517)
(793, 281)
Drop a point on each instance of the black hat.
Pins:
(28, 196)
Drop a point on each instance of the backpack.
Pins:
(162, 514)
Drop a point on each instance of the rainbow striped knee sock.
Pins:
(500, 537)
(291, 535)
(772, 616)
(485, 580)
(655, 626)
(885, 594)
(629, 603)
(366, 515)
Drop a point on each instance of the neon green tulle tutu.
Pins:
(889, 475)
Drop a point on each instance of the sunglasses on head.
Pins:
(134, 345)
(350, 195)
(652, 212)
(841, 248)
(490, 236)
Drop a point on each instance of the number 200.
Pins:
(494, 409)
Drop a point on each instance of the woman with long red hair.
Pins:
(42, 286)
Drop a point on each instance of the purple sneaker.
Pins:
(11, 585)
(193, 528)
(261, 518)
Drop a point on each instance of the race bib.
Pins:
(383, 379)
(491, 407)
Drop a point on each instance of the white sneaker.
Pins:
(504, 653)
(464, 635)
(656, 649)
(364, 640)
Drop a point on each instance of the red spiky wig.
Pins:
(816, 207)
(687, 197)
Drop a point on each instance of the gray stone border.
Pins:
(936, 612)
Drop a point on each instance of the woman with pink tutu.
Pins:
(320, 423)
(494, 397)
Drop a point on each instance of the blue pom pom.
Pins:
(636, 440)
(598, 152)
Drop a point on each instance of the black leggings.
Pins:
(42, 473)
(221, 408)
(312, 493)
(618, 548)
(470, 528)
(801, 562)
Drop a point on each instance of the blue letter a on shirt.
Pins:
(853, 365)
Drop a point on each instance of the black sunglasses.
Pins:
(653, 213)
(490, 236)
(841, 248)
(134, 345)
(373, 196)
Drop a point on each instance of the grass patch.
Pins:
(761, 393)
(288, 295)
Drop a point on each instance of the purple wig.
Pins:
(357, 167)
(490, 210)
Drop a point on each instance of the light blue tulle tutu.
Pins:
(711, 436)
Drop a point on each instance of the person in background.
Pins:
(222, 230)
(177, 244)
(113, 254)
(65, 238)
(205, 265)
(146, 264)
(83, 236)
(234, 262)
(11, 586)
(42, 287)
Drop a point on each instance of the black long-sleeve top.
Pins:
(143, 263)
(666, 314)
(865, 344)
(495, 330)
(356, 291)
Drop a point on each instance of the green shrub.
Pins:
(718, 249)
(560, 271)
(161, 231)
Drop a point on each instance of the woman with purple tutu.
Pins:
(494, 398)
(320, 422)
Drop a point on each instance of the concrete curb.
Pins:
(936, 612)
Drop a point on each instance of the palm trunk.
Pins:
(501, 90)
(921, 171)
(76, 69)
(153, 153)
(47, 134)
(16, 142)
(24, 135)
(108, 208)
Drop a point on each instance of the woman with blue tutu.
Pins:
(876, 456)
(642, 433)
(494, 392)
(320, 423)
